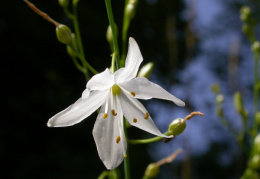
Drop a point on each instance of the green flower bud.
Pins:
(70, 51)
(177, 126)
(130, 10)
(220, 98)
(238, 102)
(255, 47)
(250, 174)
(146, 70)
(152, 170)
(255, 162)
(215, 88)
(64, 3)
(109, 35)
(258, 117)
(64, 34)
(245, 13)
(257, 143)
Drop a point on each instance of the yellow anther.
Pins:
(125, 155)
(116, 90)
(113, 112)
(118, 139)
(104, 116)
(133, 94)
(135, 120)
(146, 116)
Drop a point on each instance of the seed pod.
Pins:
(177, 126)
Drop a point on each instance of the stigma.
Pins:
(116, 90)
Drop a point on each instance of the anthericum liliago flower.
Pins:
(116, 93)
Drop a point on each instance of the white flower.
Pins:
(116, 93)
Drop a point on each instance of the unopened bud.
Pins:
(220, 98)
(215, 88)
(152, 170)
(238, 102)
(250, 174)
(257, 143)
(255, 162)
(146, 70)
(257, 117)
(130, 10)
(177, 126)
(245, 13)
(109, 35)
(64, 3)
(255, 47)
(63, 34)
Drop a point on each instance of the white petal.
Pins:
(78, 111)
(85, 93)
(132, 63)
(135, 114)
(106, 132)
(101, 81)
(145, 89)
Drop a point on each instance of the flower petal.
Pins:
(109, 136)
(78, 111)
(137, 115)
(133, 61)
(101, 81)
(145, 89)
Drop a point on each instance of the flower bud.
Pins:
(250, 173)
(245, 13)
(257, 143)
(63, 34)
(215, 88)
(255, 47)
(152, 170)
(255, 162)
(177, 126)
(238, 102)
(130, 10)
(257, 117)
(220, 98)
(109, 35)
(64, 3)
(146, 70)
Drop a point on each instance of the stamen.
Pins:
(133, 94)
(104, 116)
(118, 139)
(125, 155)
(146, 116)
(113, 112)
(135, 120)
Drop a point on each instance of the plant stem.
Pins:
(113, 29)
(126, 160)
(126, 23)
(146, 141)
(256, 90)
(78, 37)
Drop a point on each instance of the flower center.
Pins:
(116, 90)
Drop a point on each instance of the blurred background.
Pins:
(193, 44)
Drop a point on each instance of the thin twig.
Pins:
(43, 14)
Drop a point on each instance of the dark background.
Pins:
(38, 80)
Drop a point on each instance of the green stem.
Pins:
(86, 64)
(78, 66)
(113, 29)
(256, 90)
(146, 141)
(126, 23)
(74, 17)
(126, 160)
(113, 63)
